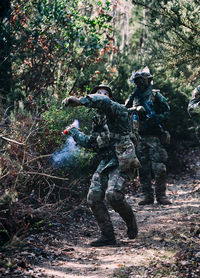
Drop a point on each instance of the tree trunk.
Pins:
(5, 63)
(143, 37)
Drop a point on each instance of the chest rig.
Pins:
(100, 131)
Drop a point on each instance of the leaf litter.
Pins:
(168, 244)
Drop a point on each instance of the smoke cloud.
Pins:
(68, 155)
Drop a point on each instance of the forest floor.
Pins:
(168, 243)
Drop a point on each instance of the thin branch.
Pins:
(45, 175)
(39, 157)
(12, 141)
(4, 175)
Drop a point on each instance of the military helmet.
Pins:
(102, 86)
(196, 92)
(144, 73)
(198, 89)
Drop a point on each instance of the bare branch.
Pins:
(45, 175)
(39, 157)
(12, 141)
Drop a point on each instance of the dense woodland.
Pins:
(50, 49)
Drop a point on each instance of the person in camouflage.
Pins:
(110, 138)
(153, 111)
(194, 108)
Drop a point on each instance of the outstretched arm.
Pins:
(71, 101)
(80, 138)
(194, 106)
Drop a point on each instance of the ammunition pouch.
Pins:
(126, 155)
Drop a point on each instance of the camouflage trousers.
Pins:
(153, 158)
(197, 133)
(110, 186)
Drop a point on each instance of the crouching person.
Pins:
(110, 136)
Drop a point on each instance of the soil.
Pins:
(168, 243)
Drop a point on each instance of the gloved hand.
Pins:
(71, 101)
(70, 127)
(140, 110)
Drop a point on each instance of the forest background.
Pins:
(50, 49)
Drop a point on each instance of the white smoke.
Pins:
(76, 123)
(69, 153)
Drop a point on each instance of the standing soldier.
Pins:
(194, 108)
(110, 138)
(153, 111)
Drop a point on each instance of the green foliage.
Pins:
(177, 97)
(172, 36)
(54, 42)
(56, 120)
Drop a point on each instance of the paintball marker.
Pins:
(65, 131)
(151, 114)
(75, 124)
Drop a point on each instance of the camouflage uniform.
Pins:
(150, 152)
(194, 108)
(110, 137)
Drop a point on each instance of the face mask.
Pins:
(141, 83)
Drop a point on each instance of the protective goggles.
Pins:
(102, 92)
(139, 80)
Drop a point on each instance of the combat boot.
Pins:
(102, 216)
(161, 194)
(125, 211)
(163, 200)
(132, 231)
(147, 191)
(103, 241)
(148, 200)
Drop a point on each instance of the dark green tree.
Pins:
(173, 35)
(5, 44)
(54, 42)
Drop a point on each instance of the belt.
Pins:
(119, 136)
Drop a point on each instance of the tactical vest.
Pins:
(100, 131)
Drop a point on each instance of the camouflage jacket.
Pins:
(110, 127)
(159, 105)
(194, 104)
(194, 109)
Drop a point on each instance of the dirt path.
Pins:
(167, 245)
